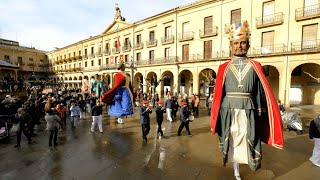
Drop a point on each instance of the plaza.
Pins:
(119, 153)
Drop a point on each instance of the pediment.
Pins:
(116, 25)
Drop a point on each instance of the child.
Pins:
(62, 113)
(159, 111)
(145, 111)
(75, 114)
(184, 119)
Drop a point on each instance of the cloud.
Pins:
(56, 23)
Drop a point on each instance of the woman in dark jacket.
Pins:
(53, 122)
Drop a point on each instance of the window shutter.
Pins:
(309, 36)
(208, 25)
(235, 16)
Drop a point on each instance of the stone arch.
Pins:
(138, 81)
(185, 82)
(167, 83)
(207, 79)
(70, 78)
(86, 77)
(65, 78)
(80, 78)
(75, 78)
(149, 80)
(272, 74)
(305, 84)
(107, 79)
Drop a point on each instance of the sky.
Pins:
(46, 24)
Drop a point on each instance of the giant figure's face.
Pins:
(239, 47)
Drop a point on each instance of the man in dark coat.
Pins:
(23, 119)
(159, 111)
(314, 134)
(184, 119)
(145, 112)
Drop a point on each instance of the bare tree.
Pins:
(317, 79)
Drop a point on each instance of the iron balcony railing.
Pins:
(31, 64)
(108, 66)
(269, 20)
(270, 49)
(208, 32)
(115, 50)
(126, 48)
(186, 36)
(92, 55)
(152, 43)
(308, 12)
(138, 45)
(85, 56)
(225, 54)
(78, 57)
(167, 40)
(200, 57)
(306, 45)
(98, 54)
(167, 60)
(106, 52)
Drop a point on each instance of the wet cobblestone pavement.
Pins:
(119, 153)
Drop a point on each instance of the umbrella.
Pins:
(46, 91)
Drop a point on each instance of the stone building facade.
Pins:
(184, 47)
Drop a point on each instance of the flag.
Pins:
(118, 42)
(111, 60)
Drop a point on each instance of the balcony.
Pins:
(98, 54)
(108, 67)
(115, 50)
(308, 12)
(225, 54)
(269, 20)
(31, 64)
(167, 40)
(7, 60)
(78, 57)
(92, 55)
(20, 63)
(163, 60)
(138, 45)
(186, 36)
(85, 56)
(69, 59)
(73, 58)
(313, 45)
(203, 33)
(106, 52)
(270, 49)
(126, 48)
(152, 43)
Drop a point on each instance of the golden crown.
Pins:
(238, 31)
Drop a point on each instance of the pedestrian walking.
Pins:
(53, 124)
(314, 134)
(168, 105)
(145, 111)
(75, 114)
(184, 119)
(97, 117)
(23, 120)
(159, 117)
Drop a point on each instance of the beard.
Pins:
(241, 53)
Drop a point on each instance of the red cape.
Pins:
(273, 128)
(108, 97)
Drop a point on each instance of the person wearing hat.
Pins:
(184, 119)
(159, 117)
(145, 112)
(244, 110)
(120, 98)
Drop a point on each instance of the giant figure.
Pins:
(120, 98)
(244, 110)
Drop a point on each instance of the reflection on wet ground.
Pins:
(120, 153)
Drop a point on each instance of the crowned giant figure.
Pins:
(244, 111)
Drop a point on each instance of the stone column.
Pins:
(175, 81)
(195, 83)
